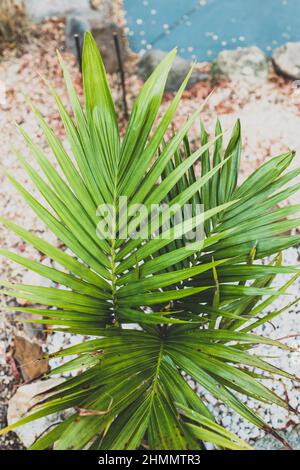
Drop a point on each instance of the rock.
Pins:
(286, 60)
(180, 68)
(75, 25)
(244, 64)
(270, 443)
(102, 30)
(95, 4)
(82, 16)
(105, 7)
(38, 10)
(103, 35)
(28, 355)
(22, 402)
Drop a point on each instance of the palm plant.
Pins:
(159, 310)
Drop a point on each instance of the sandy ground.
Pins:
(270, 117)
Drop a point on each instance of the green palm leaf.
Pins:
(194, 302)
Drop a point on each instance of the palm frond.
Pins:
(194, 303)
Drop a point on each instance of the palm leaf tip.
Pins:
(195, 307)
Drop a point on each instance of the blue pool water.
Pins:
(202, 28)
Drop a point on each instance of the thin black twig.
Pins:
(78, 51)
(121, 71)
